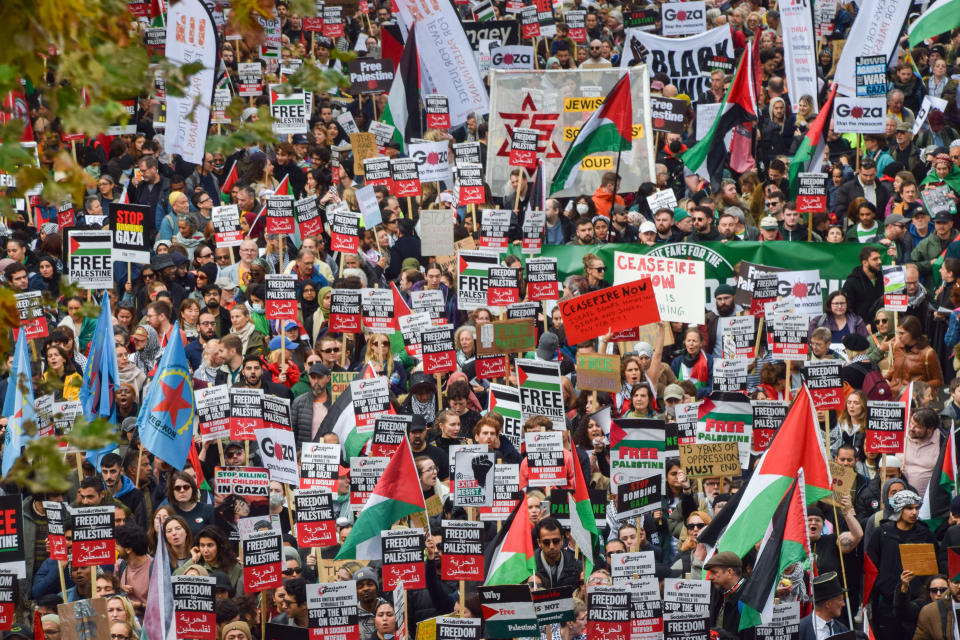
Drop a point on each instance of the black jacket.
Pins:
(711, 236)
(851, 190)
(566, 575)
(863, 296)
(404, 247)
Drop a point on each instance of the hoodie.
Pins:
(132, 499)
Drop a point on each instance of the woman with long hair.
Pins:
(595, 271)
(189, 316)
(838, 318)
(913, 359)
(382, 360)
(307, 305)
(60, 374)
(693, 364)
(215, 554)
(127, 372)
(692, 553)
(429, 483)
(641, 402)
(179, 541)
(851, 424)
(47, 278)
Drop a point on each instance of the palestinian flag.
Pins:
(403, 102)
(811, 150)
(283, 189)
(583, 524)
(396, 496)
(194, 460)
(739, 105)
(610, 128)
(798, 444)
(940, 17)
(785, 543)
(231, 179)
(506, 401)
(936, 499)
(512, 559)
(342, 421)
(400, 308)
(952, 180)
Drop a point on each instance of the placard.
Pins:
(608, 612)
(131, 225)
(315, 522)
(226, 224)
(886, 426)
(508, 611)
(193, 607)
(471, 186)
(768, 415)
(462, 557)
(289, 112)
(332, 21)
(378, 310)
(309, 218)
(364, 475)
(439, 353)
(685, 599)
(430, 301)
(871, 75)
(319, 465)
(252, 484)
(540, 391)
(542, 279)
(370, 75)
(738, 336)
(89, 258)
(371, 398)
(279, 453)
(94, 543)
(506, 492)
(597, 372)
(411, 326)
(280, 215)
(32, 317)
(246, 412)
(668, 114)
(844, 480)
(683, 18)
(506, 336)
(332, 610)
(437, 110)
(825, 384)
(472, 479)
(615, 308)
(346, 311)
(406, 177)
(626, 566)
(402, 552)
(436, 232)
(710, 460)
(376, 172)
(895, 288)
(545, 459)
(554, 605)
(529, 23)
(577, 25)
(646, 608)
(789, 331)
(494, 230)
(638, 497)
(281, 300)
(532, 230)
(812, 193)
(56, 518)
(727, 417)
(491, 367)
(250, 79)
(523, 147)
(920, 558)
(859, 115)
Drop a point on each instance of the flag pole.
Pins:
(836, 523)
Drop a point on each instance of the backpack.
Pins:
(875, 386)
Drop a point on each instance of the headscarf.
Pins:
(901, 500)
(51, 284)
(146, 358)
(472, 400)
(321, 292)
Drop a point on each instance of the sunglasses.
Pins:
(938, 590)
(290, 572)
(600, 269)
(550, 542)
(331, 350)
(183, 487)
(881, 321)
(694, 526)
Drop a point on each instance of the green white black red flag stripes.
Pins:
(940, 17)
(396, 496)
(785, 543)
(812, 146)
(512, 560)
(610, 128)
(403, 101)
(936, 499)
(583, 524)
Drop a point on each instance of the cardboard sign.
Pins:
(494, 230)
(472, 479)
(246, 412)
(825, 384)
(193, 607)
(508, 612)
(921, 559)
(405, 175)
(402, 551)
(462, 557)
(668, 114)
(608, 612)
(280, 215)
(812, 193)
(131, 225)
(226, 224)
(886, 427)
(597, 372)
(439, 352)
(895, 288)
(309, 218)
(506, 492)
(364, 146)
(376, 171)
(94, 542)
(281, 301)
(523, 147)
(506, 336)
(844, 481)
(250, 79)
(315, 522)
(612, 309)
(540, 391)
(713, 460)
(369, 75)
(437, 109)
(470, 183)
(768, 415)
(319, 465)
(344, 231)
(503, 286)
(340, 382)
(436, 232)
(332, 610)
(89, 258)
(545, 459)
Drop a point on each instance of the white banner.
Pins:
(929, 103)
(859, 115)
(799, 48)
(684, 18)
(679, 285)
(874, 32)
(191, 37)
(687, 61)
(447, 64)
(557, 103)
(515, 56)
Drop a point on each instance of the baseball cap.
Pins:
(942, 216)
(648, 227)
(226, 283)
(300, 138)
(895, 218)
(673, 392)
(680, 214)
(319, 369)
(769, 222)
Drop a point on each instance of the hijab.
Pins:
(146, 358)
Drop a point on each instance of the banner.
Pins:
(557, 103)
(191, 38)
(447, 63)
(796, 19)
(874, 32)
(687, 61)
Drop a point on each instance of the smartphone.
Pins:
(138, 174)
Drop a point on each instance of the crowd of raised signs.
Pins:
(337, 310)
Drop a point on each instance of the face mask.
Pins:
(218, 165)
(582, 209)
(258, 308)
(675, 146)
(276, 499)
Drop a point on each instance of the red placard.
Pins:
(472, 195)
(345, 322)
(542, 291)
(491, 367)
(886, 427)
(93, 541)
(346, 311)
(344, 242)
(191, 624)
(442, 362)
(315, 524)
(406, 177)
(762, 438)
(66, 216)
(402, 552)
(246, 413)
(262, 563)
(313, 24)
(623, 306)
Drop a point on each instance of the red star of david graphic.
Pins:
(544, 122)
(172, 401)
